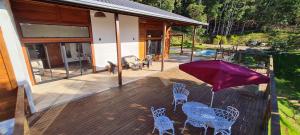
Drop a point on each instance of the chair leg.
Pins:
(153, 130)
(161, 132)
(184, 127)
(205, 130)
(215, 131)
(175, 106)
(173, 131)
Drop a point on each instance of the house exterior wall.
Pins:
(14, 48)
(104, 39)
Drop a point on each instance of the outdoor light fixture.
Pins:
(99, 14)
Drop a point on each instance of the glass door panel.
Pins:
(153, 47)
(78, 58)
(56, 61)
(45, 61)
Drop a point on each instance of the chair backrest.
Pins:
(180, 88)
(131, 60)
(158, 112)
(233, 112)
(111, 64)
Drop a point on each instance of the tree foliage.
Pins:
(227, 17)
(196, 12)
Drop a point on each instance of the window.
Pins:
(52, 31)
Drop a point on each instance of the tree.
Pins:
(167, 5)
(196, 12)
(212, 9)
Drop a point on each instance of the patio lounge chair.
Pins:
(132, 62)
(112, 67)
(147, 61)
(180, 94)
(229, 58)
(162, 122)
(224, 120)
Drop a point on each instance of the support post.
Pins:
(212, 97)
(181, 51)
(193, 46)
(163, 46)
(118, 44)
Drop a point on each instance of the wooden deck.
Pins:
(125, 111)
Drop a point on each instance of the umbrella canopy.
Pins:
(221, 74)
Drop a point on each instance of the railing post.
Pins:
(272, 105)
(21, 124)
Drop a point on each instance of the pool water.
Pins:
(207, 53)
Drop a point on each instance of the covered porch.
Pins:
(67, 90)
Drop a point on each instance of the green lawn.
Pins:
(287, 72)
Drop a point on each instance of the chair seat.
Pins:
(163, 123)
(180, 96)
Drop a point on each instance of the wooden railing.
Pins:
(271, 113)
(21, 124)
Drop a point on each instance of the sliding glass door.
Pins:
(46, 62)
(78, 58)
(53, 61)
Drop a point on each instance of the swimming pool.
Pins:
(207, 53)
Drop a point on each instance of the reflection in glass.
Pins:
(153, 47)
(45, 60)
(43, 30)
(78, 58)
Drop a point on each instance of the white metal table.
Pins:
(199, 111)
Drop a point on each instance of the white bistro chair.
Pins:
(161, 122)
(195, 123)
(224, 119)
(180, 94)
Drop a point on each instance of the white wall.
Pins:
(104, 28)
(14, 48)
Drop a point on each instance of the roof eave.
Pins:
(123, 9)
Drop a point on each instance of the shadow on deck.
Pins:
(126, 110)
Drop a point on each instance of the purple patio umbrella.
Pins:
(221, 74)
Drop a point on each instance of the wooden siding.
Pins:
(8, 84)
(45, 13)
(29, 11)
(144, 26)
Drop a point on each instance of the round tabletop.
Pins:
(198, 111)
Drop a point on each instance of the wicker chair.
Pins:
(161, 122)
(180, 94)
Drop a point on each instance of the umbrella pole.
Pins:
(212, 98)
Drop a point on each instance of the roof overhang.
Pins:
(107, 7)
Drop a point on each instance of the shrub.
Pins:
(249, 60)
(234, 40)
(175, 41)
(217, 40)
(224, 40)
(279, 44)
(187, 44)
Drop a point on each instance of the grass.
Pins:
(287, 72)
